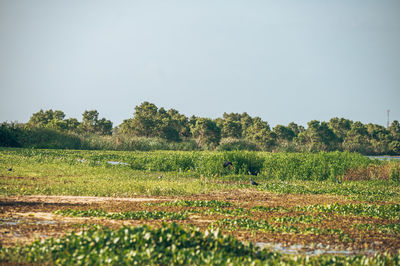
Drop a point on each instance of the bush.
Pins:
(46, 138)
(9, 134)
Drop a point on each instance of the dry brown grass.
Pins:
(388, 171)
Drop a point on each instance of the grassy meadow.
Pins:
(197, 211)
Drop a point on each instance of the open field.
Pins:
(349, 216)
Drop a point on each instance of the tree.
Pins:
(394, 147)
(340, 126)
(231, 128)
(379, 138)
(378, 132)
(395, 130)
(89, 121)
(143, 123)
(92, 124)
(192, 121)
(165, 127)
(180, 122)
(295, 128)
(149, 121)
(206, 132)
(356, 139)
(48, 118)
(72, 124)
(319, 136)
(260, 133)
(283, 133)
(104, 127)
(247, 121)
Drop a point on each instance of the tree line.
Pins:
(233, 131)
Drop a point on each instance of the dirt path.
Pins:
(73, 199)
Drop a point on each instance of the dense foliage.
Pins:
(153, 128)
(169, 245)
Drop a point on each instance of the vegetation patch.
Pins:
(136, 215)
(373, 190)
(169, 245)
(283, 166)
(307, 214)
(300, 218)
(196, 203)
(390, 211)
(270, 208)
(225, 211)
(381, 228)
(250, 224)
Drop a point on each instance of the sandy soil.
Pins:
(71, 199)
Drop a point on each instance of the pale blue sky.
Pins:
(281, 60)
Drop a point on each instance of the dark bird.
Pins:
(227, 163)
(159, 177)
(10, 169)
(253, 172)
(254, 183)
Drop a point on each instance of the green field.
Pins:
(340, 201)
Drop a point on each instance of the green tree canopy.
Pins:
(149, 121)
(92, 124)
(48, 118)
(206, 132)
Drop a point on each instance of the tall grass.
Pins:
(313, 166)
(284, 166)
(75, 172)
(48, 138)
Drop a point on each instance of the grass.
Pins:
(62, 172)
(47, 178)
(284, 166)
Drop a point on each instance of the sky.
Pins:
(284, 61)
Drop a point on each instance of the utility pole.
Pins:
(388, 111)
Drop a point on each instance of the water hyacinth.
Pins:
(197, 203)
(170, 244)
(136, 215)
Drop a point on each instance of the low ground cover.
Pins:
(136, 215)
(169, 244)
